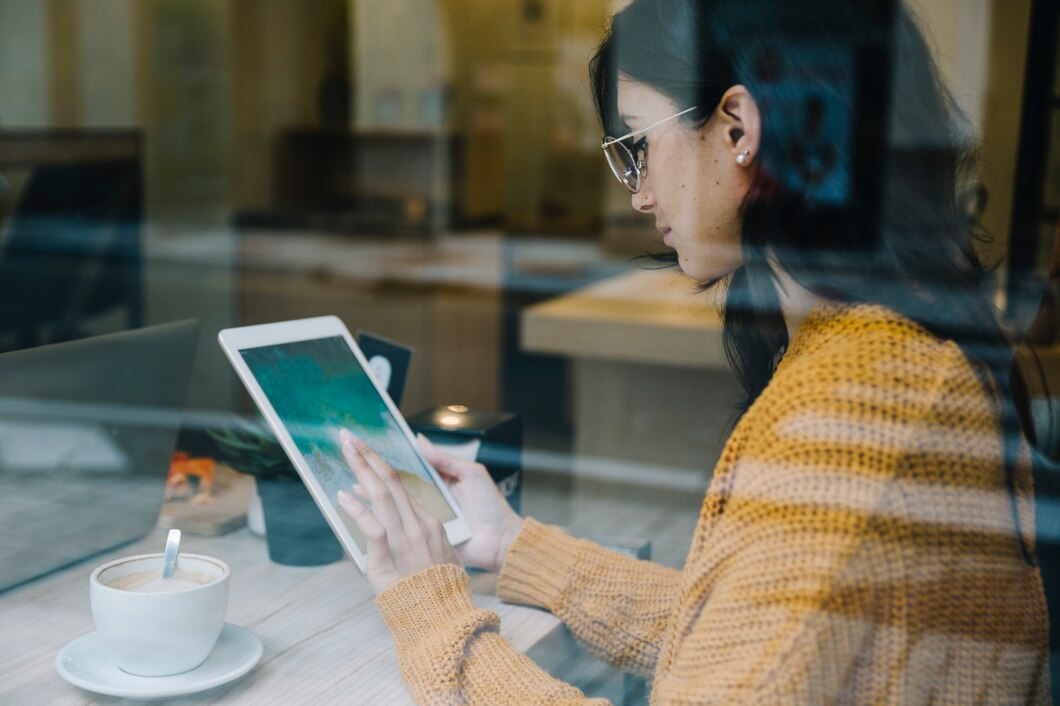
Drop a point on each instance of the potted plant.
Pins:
(295, 530)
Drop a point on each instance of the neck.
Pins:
(795, 301)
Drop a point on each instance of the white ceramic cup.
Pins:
(153, 630)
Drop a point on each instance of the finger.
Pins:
(396, 490)
(449, 466)
(373, 529)
(383, 507)
(435, 530)
(392, 479)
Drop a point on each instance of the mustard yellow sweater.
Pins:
(856, 546)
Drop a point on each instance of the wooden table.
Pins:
(653, 395)
(324, 639)
(643, 316)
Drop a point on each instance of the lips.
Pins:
(665, 234)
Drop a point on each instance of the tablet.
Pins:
(309, 379)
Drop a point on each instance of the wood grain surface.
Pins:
(324, 639)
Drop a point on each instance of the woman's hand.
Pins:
(494, 525)
(403, 537)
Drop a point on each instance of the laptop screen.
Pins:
(87, 429)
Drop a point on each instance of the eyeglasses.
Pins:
(623, 161)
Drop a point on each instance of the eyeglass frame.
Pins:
(640, 167)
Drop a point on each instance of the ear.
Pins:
(741, 122)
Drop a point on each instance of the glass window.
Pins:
(431, 172)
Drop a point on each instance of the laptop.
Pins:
(87, 429)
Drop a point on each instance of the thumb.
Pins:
(447, 465)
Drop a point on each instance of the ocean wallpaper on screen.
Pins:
(317, 387)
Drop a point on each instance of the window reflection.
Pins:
(430, 172)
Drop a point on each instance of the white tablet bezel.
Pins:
(233, 340)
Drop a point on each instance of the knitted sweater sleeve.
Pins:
(452, 653)
(617, 606)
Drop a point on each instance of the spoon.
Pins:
(169, 561)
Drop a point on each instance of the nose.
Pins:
(643, 200)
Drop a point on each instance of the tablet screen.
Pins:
(317, 387)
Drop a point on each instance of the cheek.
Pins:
(718, 204)
(706, 212)
(719, 216)
(694, 175)
(693, 190)
(712, 248)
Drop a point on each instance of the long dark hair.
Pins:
(860, 170)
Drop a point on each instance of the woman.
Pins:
(866, 536)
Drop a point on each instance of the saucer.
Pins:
(85, 663)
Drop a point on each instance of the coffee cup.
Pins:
(156, 627)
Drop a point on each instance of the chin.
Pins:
(705, 276)
(713, 266)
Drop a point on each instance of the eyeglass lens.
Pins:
(623, 165)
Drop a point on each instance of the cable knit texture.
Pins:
(857, 545)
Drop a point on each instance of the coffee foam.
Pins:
(152, 581)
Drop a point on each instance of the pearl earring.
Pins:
(742, 159)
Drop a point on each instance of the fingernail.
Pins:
(344, 497)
